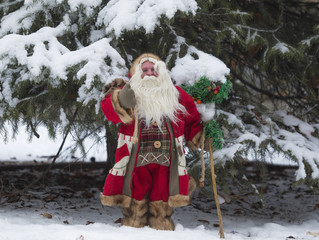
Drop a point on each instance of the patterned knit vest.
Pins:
(154, 146)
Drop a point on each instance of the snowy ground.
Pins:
(60, 208)
(290, 212)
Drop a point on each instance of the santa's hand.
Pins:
(127, 97)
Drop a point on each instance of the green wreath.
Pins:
(206, 91)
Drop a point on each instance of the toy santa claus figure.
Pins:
(149, 177)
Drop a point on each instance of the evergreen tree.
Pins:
(55, 57)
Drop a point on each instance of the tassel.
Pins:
(135, 139)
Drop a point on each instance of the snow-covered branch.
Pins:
(272, 138)
(140, 14)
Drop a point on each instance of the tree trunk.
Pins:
(111, 143)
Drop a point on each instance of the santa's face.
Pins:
(148, 69)
(155, 93)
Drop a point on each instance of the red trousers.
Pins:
(151, 181)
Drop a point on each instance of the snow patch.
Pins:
(135, 14)
(205, 65)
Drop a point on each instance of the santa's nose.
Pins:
(150, 73)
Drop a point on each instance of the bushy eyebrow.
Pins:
(143, 69)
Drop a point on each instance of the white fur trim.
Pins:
(153, 60)
(207, 111)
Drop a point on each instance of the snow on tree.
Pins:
(56, 56)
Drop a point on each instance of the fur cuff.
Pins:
(136, 214)
(195, 142)
(160, 216)
(124, 115)
(179, 200)
(109, 88)
(183, 200)
(115, 200)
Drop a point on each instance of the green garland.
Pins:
(213, 131)
(205, 91)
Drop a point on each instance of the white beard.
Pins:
(156, 97)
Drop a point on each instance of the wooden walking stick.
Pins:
(221, 229)
(205, 91)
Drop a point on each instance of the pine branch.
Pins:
(268, 93)
(299, 4)
(33, 130)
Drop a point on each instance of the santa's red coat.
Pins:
(118, 186)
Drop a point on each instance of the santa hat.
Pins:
(143, 58)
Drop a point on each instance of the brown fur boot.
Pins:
(136, 214)
(160, 216)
